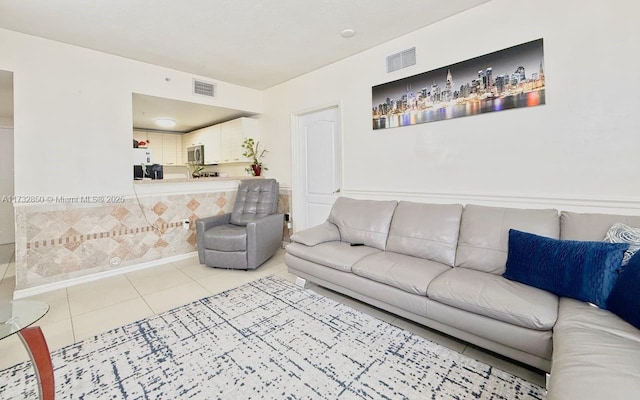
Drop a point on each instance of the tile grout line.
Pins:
(140, 294)
(73, 328)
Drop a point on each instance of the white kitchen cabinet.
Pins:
(222, 142)
(187, 138)
(166, 148)
(232, 137)
(155, 145)
(179, 159)
(170, 149)
(211, 141)
(153, 142)
(233, 133)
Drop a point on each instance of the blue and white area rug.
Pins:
(267, 339)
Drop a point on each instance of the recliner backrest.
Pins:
(256, 198)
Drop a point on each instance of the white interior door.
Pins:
(7, 225)
(319, 166)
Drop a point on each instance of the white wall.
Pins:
(581, 146)
(7, 227)
(73, 113)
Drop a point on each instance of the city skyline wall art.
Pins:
(502, 80)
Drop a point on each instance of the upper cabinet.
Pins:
(171, 149)
(211, 142)
(233, 134)
(166, 148)
(222, 142)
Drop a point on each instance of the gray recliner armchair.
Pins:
(248, 236)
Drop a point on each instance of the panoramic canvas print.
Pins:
(502, 80)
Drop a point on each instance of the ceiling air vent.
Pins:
(401, 60)
(204, 88)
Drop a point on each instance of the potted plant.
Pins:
(252, 151)
(196, 171)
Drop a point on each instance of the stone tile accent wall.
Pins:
(56, 242)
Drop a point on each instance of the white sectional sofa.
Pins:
(441, 265)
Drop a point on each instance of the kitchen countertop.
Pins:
(195, 180)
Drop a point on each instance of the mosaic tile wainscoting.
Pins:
(56, 242)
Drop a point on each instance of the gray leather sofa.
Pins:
(441, 265)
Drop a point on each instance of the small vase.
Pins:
(256, 169)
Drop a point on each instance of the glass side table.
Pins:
(17, 317)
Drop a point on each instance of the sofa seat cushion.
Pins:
(338, 255)
(407, 273)
(596, 355)
(496, 297)
(226, 238)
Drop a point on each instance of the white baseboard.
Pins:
(18, 294)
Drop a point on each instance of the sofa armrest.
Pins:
(264, 238)
(202, 225)
(326, 232)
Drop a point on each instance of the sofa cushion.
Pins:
(363, 221)
(484, 233)
(338, 255)
(495, 297)
(621, 233)
(410, 274)
(226, 238)
(624, 299)
(577, 226)
(596, 355)
(428, 231)
(581, 270)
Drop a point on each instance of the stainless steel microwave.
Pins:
(195, 155)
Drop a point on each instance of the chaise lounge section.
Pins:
(441, 265)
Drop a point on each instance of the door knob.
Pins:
(336, 191)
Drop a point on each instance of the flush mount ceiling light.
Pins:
(347, 33)
(165, 122)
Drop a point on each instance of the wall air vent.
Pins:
(401, 60)
(203, 88)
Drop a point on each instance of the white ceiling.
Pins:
(253, 43)
(188, 116)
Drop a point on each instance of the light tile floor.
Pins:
(85, 310)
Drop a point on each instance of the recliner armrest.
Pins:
(326, 232)
(202, 224)
(264, 237)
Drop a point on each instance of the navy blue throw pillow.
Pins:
(585, 271)
(624, 300)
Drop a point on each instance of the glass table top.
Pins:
(19, 314)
